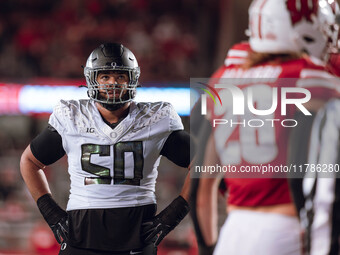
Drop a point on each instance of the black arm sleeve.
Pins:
(47, 146)
(298, 154)
(177, 148)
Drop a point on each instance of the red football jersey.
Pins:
(258, 140)
(334, 64)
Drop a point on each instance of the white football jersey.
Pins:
(112, 168)
(321, 184)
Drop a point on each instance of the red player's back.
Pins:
(257, 140)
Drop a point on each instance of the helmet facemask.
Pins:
(125, 92)
(319, 38)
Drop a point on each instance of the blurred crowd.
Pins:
(53, 38)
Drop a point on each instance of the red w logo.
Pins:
(302, 9)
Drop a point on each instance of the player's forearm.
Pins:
(185, 193)
(207, 211)
(207, 196)
(33, 175)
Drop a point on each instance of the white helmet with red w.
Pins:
(293, 26)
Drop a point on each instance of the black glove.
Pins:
(55, 217)
(155, 229)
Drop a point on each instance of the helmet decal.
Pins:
(302, 10)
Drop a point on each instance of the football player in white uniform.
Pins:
(319, 212)
(113, 146)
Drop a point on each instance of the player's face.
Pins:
(112, 84)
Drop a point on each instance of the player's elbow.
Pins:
(29, 162)
(24, 162)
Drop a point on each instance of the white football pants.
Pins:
(256, 233)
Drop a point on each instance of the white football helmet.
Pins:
(294, 26)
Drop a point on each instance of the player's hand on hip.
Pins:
(155, 229)
(55, 216)
(60, 230)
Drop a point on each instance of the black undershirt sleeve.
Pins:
(47, 146)
(177, 148)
